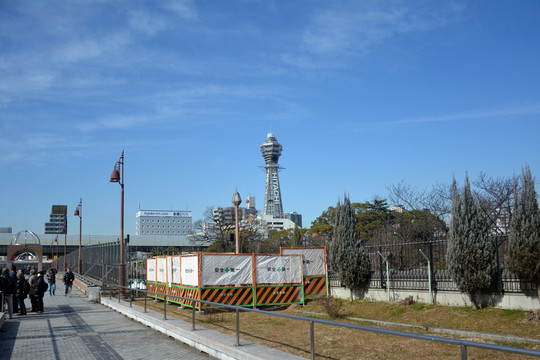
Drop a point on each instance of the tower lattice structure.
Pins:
(271, 151)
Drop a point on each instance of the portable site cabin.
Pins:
(231, 279)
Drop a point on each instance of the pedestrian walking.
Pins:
(13, 275)
(51, 279)
(68, 280)
(9, 286)
(23, 287)
(32, 280)
(41, 289)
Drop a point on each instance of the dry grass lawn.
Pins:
(340, 343)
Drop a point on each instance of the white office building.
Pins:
(163, 222)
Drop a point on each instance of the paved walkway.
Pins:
(73, 328)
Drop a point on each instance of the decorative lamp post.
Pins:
(236, 200)
(78, 212)
(57, 254)
(118, 177)
(64, 231)
(56, 241)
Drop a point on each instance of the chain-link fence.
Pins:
(99, 261)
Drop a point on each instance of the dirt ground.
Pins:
(333, 342)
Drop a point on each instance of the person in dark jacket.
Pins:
(51, 279)
(20, 293)
(9, 287)
(13, 275)
(41, 288)
(68, 280)
(32, 280)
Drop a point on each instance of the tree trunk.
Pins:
(474, 302)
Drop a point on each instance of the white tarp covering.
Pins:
(314, 263)
(175, 278)
(190, 271)
(151, 270)
(161, 270)
(272, 269)
(169, 269)
(226, 270)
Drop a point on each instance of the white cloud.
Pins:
(77, 50)
(357, 30)
(116, 122)
(182, 8)
(524, 110)
(146, 22)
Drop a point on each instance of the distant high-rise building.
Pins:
(57, 220)
(294, 217)
(163, 222)
(271, 151)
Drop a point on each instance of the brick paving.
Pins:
(74, 328)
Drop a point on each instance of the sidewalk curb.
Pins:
(216, 344)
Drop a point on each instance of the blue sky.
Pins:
(361, 94)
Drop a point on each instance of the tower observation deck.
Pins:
(271, 151)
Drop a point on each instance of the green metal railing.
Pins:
(463, 344)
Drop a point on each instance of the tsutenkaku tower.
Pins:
(271, 151)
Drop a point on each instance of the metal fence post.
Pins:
(499, 278)
(237, 327)
(312, 339)
(381, 268)
(433, 283)
(165, 307)
(193, 317)
(463, 352)
(145, 297)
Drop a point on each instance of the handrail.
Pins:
(462, 343)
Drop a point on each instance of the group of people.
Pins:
(15, 288)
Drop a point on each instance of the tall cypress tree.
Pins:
(524, 238)
(297, 236)
(348, 257)
(471, 254)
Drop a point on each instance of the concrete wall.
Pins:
(517, 301)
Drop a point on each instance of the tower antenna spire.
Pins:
(271, 151)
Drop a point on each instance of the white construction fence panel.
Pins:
(314, 261)
(151, 270)
(190, 270)
(175, 279)
(223, 270)
(169, 269)
(161, 270)
(272, 269)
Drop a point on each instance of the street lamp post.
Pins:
(56, 241)
(64, 230)
(78, 212)
(236, 200)
(118, 176)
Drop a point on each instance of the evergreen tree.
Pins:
(348, 257)
(471, 254)
(524, 238)
(297, 237)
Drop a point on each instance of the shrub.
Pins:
(534, 315)
(409, 300)
(331, 306)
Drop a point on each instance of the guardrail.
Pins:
(463, 344)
